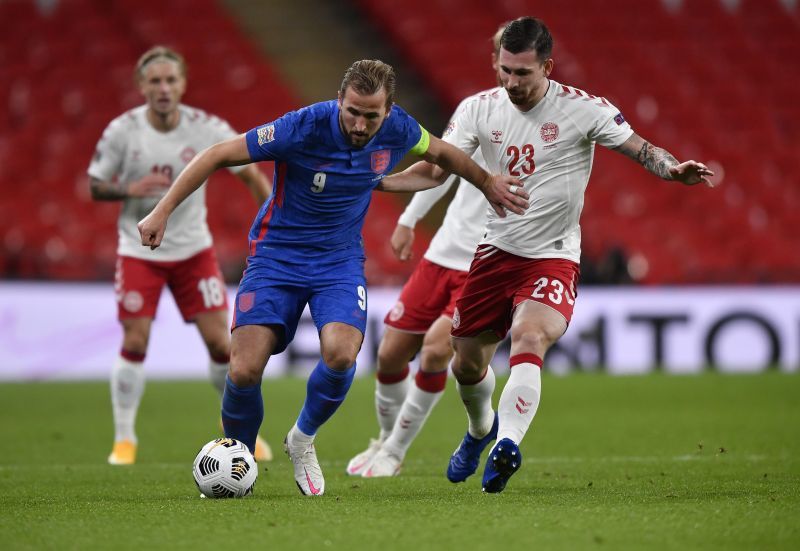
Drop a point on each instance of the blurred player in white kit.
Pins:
(525, 272)
(421, 319)
(136, 160)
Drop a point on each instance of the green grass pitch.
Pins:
(649, 462)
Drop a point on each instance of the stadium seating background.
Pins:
(703, 80)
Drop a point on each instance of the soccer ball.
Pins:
(225, 468)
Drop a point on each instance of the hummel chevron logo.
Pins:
(522, 406)
(383, 411)
(404, 423)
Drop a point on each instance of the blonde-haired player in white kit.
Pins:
(421, 319)
(525, 272)
(136, 159)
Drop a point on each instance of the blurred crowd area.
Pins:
(710, 80)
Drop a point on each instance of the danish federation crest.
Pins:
(549, 132)
(188, 154)
(379, 161)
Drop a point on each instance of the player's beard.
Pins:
(517, 97)
(358, 139)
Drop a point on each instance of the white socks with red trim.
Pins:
(390, 393)
(477, 399)
(520, 397)
(423, 395)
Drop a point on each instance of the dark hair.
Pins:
(159, 52)
(368, 77)
(528, 33)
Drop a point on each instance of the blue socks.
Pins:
(242, 412)
(325, 392)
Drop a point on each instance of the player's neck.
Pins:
(164, 122)
(535, 98)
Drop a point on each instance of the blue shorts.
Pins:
(276, 293)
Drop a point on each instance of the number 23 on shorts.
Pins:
(553, 290)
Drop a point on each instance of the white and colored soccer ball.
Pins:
(225, 468)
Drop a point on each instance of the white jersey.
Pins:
(550, 149)
(131, 148)
(464, 224)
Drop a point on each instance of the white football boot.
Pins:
(359, 463)
(307, 472)
(385, 463)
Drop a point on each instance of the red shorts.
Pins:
(498, 281)
(429, 293)
(196, 284)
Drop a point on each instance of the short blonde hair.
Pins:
(155, 53)
(368, 77)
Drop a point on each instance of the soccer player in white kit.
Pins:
(136, 159)
(421, 320)
(525, 271)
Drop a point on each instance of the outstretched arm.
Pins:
(661, 163)
(502, 192)
(228, 153)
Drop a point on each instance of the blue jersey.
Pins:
(322, 185)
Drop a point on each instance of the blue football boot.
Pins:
(464, 461)
(503, 461)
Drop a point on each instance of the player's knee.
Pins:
(340, 358)
(244, 370)
(389, 360)
(466, 369)
(435, 355)
(533, 340)
(135, 341)
(218, 348)
(243, 376)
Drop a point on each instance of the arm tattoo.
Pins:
(656, 160)
(107, 191)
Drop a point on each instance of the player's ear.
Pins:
(548, 66)
(339, 97)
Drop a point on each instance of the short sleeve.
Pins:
(405, 130)
(274, 140)
(109, 153)
(462, 131)
(609, 127)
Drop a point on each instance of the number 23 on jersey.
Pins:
(520, 159)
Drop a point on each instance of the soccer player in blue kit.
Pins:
(305, 243)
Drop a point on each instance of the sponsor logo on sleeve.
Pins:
(379, 161)
(265, 134)
(449, 130)
(549, 132)
(619, 119)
